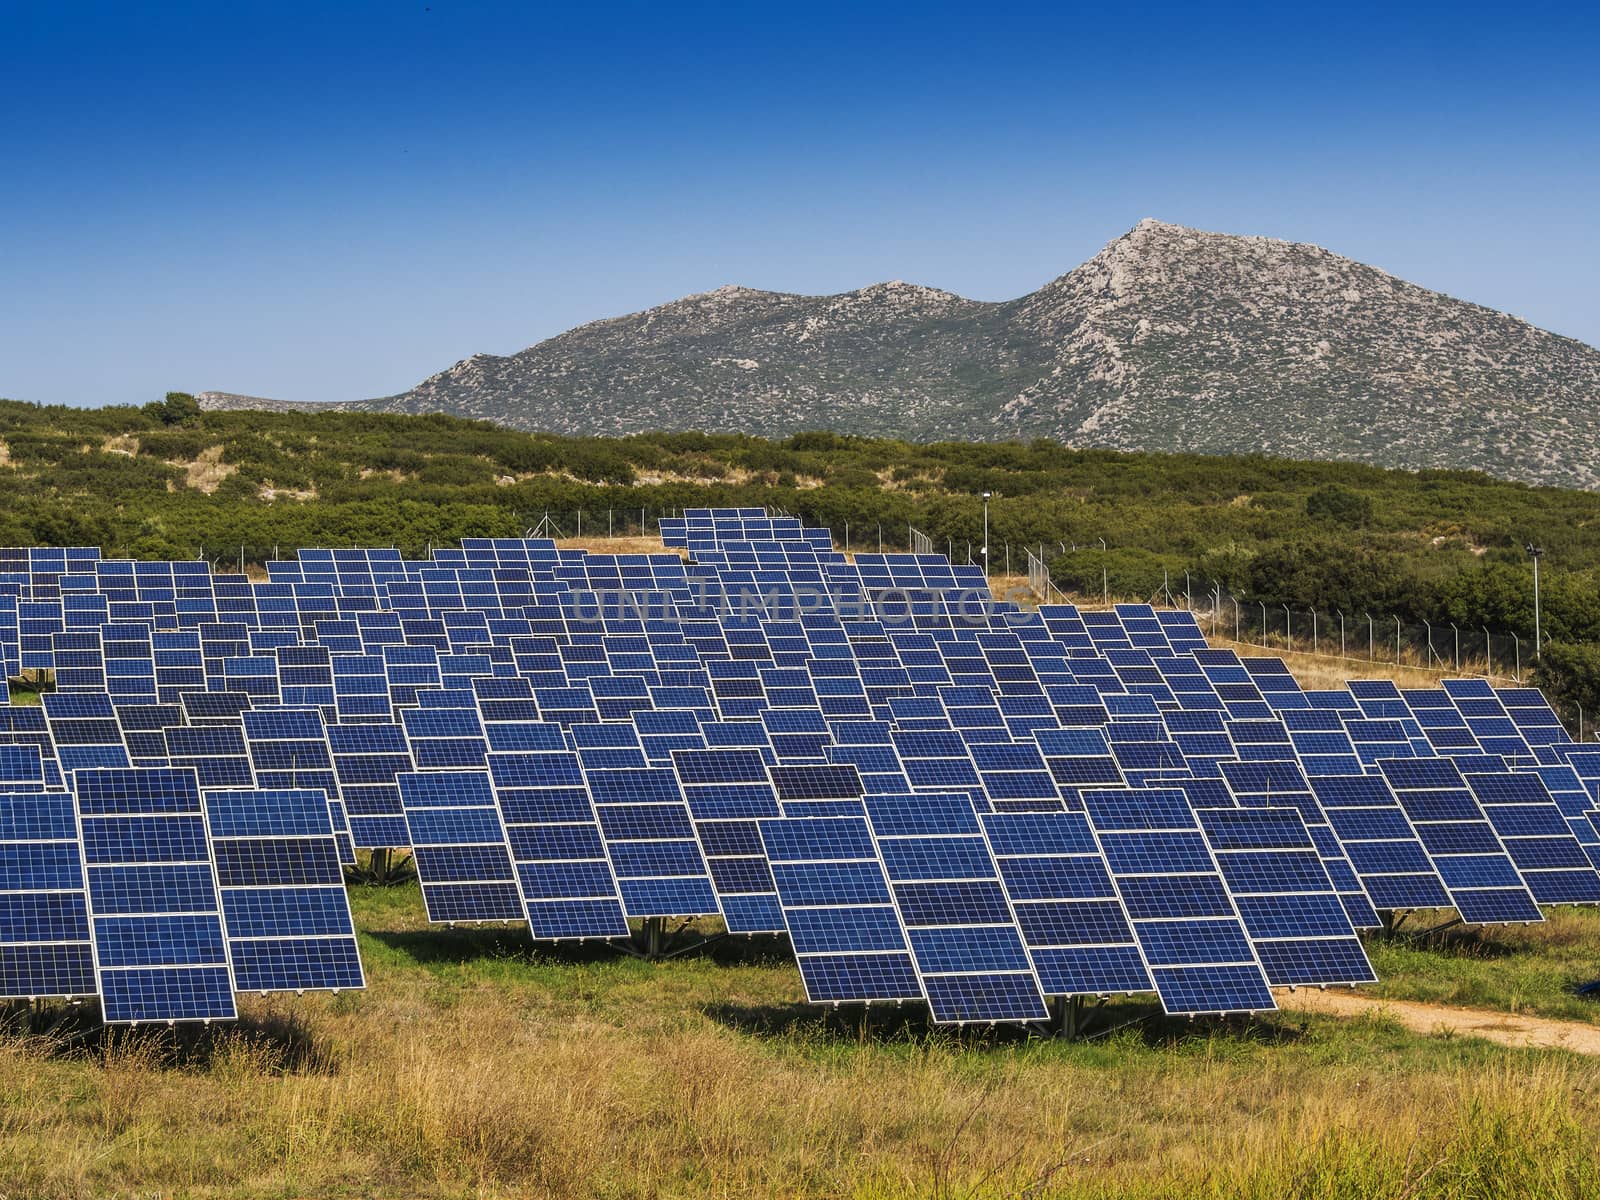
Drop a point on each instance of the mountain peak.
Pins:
(1170, 338)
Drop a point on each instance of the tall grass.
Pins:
(469, 1070)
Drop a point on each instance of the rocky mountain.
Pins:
(1168, 339)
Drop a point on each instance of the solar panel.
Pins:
(845, 932)
(568, 887)
(1188, 930)
(459, 846)
(964, 939)
(1067, 908)
(1485, 887)
(1380, 842)
(651, 842)
(160, 953)
(728, 793)
(1295, 920)
(1535, 834)
(284, 906)
(44, 921)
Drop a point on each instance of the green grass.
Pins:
(476, 1064)
(1534, 969)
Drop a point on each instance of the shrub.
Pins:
(1569, 676)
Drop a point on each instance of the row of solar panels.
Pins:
(992, 700)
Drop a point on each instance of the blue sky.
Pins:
(330, 201)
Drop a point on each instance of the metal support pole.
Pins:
(1263, 623)
(1372, 651)
(1397, 641)
(1341, 634)
(986, 497)
(1457, 632)
(1427, 630)
(1538, 625)
(1288, 629)
(1516, 645)
(1313, 631)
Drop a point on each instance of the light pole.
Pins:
(1538, 631)
(986, 498)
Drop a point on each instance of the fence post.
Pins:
(1427, 628)
(1397, 641)
(1288, 630)
(1188, 593)
(1458, 646)
(1008, 556)
(1372, 651)
(1488, 653)
(1341, 632)
(1313, 631)
(1580, 722)
(880, 537)
(1516, 646)
(580, 523)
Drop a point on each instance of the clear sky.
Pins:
(334, 200)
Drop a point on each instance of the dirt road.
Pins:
(1506, 1028)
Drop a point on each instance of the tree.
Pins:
(179, 408)
(1569, 676)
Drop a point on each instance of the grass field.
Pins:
(475, 1065)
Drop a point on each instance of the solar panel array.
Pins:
(938, 796)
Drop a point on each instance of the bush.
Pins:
(1569, 676)
(179, 408)
(1339, 506)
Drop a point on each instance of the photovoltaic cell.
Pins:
(459, 847)
(284, 906)
(963, 935)
(1188, 930)
(160, 952)
(44, 921)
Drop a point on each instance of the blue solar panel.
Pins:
(845, 932)
(1537, 837)
(568, 887)
(284, 905)
(1380, 842)
(1194, 944)
(160, 952)
(1066, 906)
(728, 793)
(963, 935)
(650, 840)
(459, 846)
(1485, 886)
(1294, 917)
(44, 921)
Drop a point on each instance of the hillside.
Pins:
(1437, 546)
(1169, 339)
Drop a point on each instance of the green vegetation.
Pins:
(476, 1065)
(1533, 969)
(1443, 546)
(1569, 675)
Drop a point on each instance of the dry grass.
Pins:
(476, 1067)
(615, 545)
(207, 471)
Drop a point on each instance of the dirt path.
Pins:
(1506, 1028)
